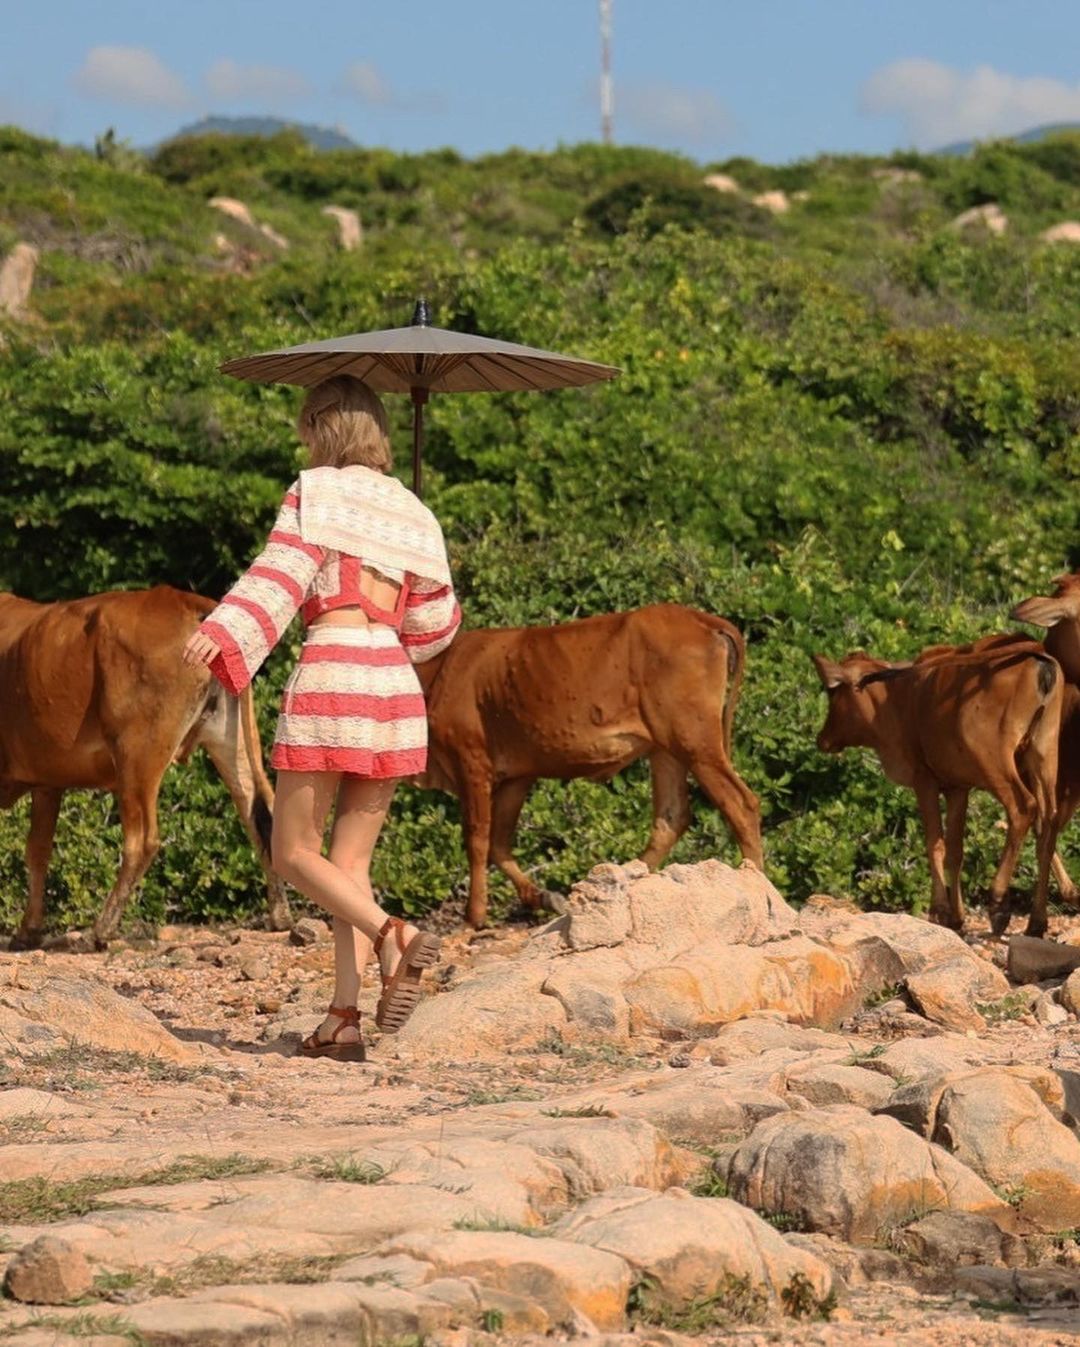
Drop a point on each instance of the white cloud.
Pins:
(363, 81)
(130, 75)
(937, 104)
(684, 115)
(268, 83)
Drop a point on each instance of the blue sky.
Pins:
(774, 79)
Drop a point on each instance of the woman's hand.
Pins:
(200, 649)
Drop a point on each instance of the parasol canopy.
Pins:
(420, 360)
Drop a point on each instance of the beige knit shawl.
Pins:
(368, 514)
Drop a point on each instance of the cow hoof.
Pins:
(24, 940)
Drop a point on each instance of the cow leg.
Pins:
(929, 801)
(44, 811)
(956, 806)
(1068, 890)
(671, 807)
(506, 805)
(138, 820)
(1020, 812)
(735, 800)
(475, 794)
(220, 734)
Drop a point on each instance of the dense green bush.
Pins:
(859, 431)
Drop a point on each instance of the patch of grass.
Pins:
(476, 1098)
(213, 1270)
(883, 994)
(492, 1225)
(585, 1111)
(37, 1200)
(870, 1055)
(1010, 1007)
(86, 1326)
(784, 1221)
(67, 1068)
(710, 1183)
(22, 1127)
(491, 1321)
(1013, 1193)
(801, 1301)
(735, 1301)
(348, 1169)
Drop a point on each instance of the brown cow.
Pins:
(986, 721)
(96, 697)
(586, 699)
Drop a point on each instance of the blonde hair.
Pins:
(342, 422)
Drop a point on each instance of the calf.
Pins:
(586, 699)
(97, 698)
(988, 720)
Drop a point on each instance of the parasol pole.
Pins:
(419, 397)
(421, 318)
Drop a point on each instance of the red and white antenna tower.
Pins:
(607, 96)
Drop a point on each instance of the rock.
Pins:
(17, 280)
(23, 1102)
(695, 993)
(852, 1265)
(1070, 992)
(589, 989)
(1047, 1011)
(1068, 231)
(1070, 1085)
(254, 969)
(48, 1272)
(1034, 960)
(989, 216)
(849, 1173)
(558, 1275)
(493, 1011)
(775, 201)
(949, 993)
(822, 1083)
(350, 231)
(236, 210)
(915, 1103)
(596, 1154)
(278, 240)
(51, 1009)
(309, 931)
(1022, 1286)
(690, 1246)
(721, 182)
(996, 1123)
(912, 1058)
(962, 1239)
(750, 1037)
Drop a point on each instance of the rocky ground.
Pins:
(681, 1112)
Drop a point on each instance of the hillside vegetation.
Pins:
(844, 426)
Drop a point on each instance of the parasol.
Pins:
(420, 360)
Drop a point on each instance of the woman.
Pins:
(366, 563)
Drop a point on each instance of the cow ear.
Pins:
(1042, 612)
(831, 675)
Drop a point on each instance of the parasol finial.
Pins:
(421, 314)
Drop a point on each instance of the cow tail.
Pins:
(262, 814)
(736, 669)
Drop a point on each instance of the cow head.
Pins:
(1061, 606)
(850, 719)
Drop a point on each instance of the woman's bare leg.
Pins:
(340, 883)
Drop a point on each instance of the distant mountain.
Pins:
(1036, 133)
(321, 137)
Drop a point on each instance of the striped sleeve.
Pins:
(252, 617)
(431, 619)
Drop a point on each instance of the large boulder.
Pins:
(690, 1247)
(41, 1010)
(951, 992)
(48, 1272)
(845, 1172)
(17, 280)
(997, 1123)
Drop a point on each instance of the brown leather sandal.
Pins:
(401, 990)
(314, 1046)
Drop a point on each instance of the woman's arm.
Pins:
(432, 617)
(249, 621)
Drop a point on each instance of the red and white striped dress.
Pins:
(353, 703)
